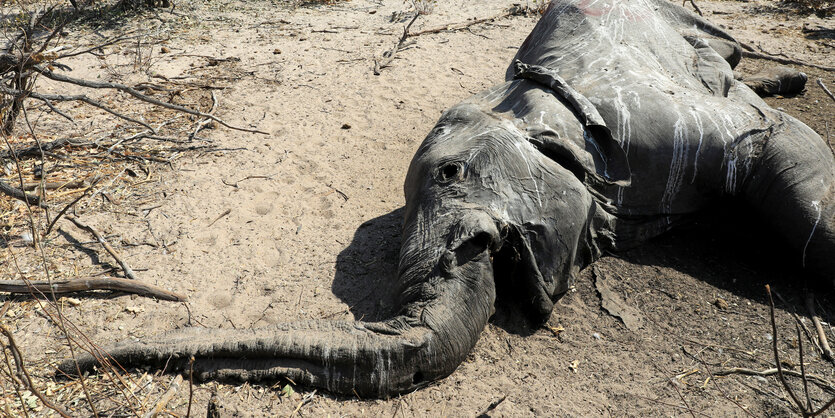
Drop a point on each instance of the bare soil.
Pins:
(303, 223)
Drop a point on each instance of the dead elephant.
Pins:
(618, 120)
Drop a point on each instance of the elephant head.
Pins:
(495, 199)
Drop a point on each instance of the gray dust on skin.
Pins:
(624, 118)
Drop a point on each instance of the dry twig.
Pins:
(23, 375)
(804, 410)
(388, 56)
(166, 397)
(511, 11)
(125, 267)
(749, 52)
(826, 351)
(823, 86)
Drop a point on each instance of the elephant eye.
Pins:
(448, 172)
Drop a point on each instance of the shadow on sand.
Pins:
(724, 247)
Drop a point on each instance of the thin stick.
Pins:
(86, 284)
(826, 351)
(64, 210)
(820, 83)
(204, 122)
(125, 267)
(820, 381)
(307, 398)
(190, 385)
(35, 151)
(388, 56)
(24, 376)
(166, 397)
(693, 2)
(803, 367)
(123, 88)
(753, 54)
(512, 11)
(69, 98)
(777, 353)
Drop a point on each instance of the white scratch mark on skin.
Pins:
(678, 166)
(590, 139)
(624, 129)
(698, 120)
(530, 172)
(816, 204)
(730, 176)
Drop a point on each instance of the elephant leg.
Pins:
(793, 188)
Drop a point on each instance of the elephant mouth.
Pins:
(522, 304)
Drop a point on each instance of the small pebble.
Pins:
(596, 336)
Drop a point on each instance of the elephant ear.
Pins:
(603, 158)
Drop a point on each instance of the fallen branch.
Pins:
(54, 185)
(388, 56)
(693, 2)
(125, 267)
(166, 397)
(18, 194)
(748, 52)
(820, 83)
(35, 151)
(826, 351)
(82, 285)
(133, 92)
(68, 206)
(305, 400)
(780, 372)
(511, 11)
(202, 124)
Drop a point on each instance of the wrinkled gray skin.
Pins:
(633, 121)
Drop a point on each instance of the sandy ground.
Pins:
(303, 223)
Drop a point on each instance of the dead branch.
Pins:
(23, 374)
(35, 151)
(125, 89)
(511, 11)
(305, 400)
(128, 271)
(202, 124)
(166, 397)
(820, 381)
(388, 56)
(693, 2)
(46, 98)
(829, 93)
(810, 412)
(749, 52)
(18, 194)
(87, 284)
(826, 351)
(68, 206)
(190, 385)
(54, 185)
(777, 353)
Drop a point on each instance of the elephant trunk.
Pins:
(426, 341)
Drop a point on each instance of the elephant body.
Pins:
(617, 120)
(688, 133)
